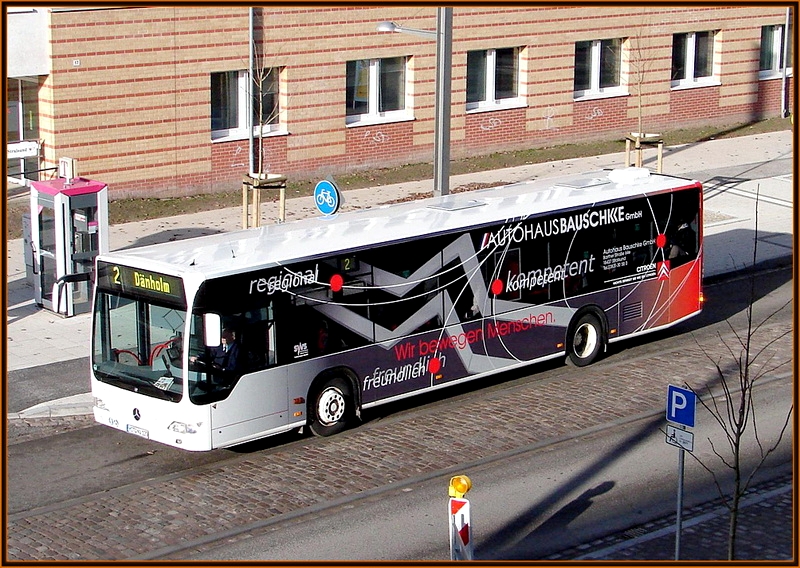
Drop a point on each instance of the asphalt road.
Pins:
(33, 385)
(524, 506)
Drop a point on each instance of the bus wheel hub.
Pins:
(330, 407)
(585, 340)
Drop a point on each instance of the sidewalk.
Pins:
(732, 170)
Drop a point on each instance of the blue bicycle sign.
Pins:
(326, 197)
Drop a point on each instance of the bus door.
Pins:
(257, 404)
(255, 396)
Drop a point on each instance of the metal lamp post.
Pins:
(441, 125)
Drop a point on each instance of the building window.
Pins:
(597, 68)
(376, 90)
(492, 77)
(266, 82)
(228, 101)
(772, 45)
(230, 105)
(692, 58)
(22, 126)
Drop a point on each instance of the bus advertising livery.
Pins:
(215, 341)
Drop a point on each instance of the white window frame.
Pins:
(776, 51)
(490, 103)
(244, 102)
(690, 80)
(373, 115)
(595, 91)
(268, 128)
(238, 132)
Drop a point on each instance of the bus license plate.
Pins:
(138, 431)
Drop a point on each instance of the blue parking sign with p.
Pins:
(681, 406)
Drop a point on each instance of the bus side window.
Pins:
(258, 339)
(251, 341)
(682, 241)
(682, 210)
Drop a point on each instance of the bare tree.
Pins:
(737, 371)
(264, 83)
(638, 66)
(264, 107)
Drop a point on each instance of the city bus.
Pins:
(332, 315)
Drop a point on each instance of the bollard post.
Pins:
(257, 183)
(256, 206)
(245, 185)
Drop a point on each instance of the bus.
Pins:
(330, 316)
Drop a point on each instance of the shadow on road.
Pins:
(511, 541)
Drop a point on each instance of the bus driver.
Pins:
(224, 356)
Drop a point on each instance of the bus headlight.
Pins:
(181, 428)
(98, 403)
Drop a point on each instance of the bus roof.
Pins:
(237, 251)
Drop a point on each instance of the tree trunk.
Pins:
(733, 526)
(260, 126)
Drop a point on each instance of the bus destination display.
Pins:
(140, 282)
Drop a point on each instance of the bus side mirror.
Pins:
(212, 329)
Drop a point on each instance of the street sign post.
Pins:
(327, 197)
(681, 404)
(680, 438)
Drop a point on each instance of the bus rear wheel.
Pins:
(333, 407)
(586, 341)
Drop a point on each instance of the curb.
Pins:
(76, 405)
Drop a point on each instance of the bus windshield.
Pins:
(137, 345)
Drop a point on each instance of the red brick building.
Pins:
(160, 101)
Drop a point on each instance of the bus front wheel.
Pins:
(586, 341)
(333, 407)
